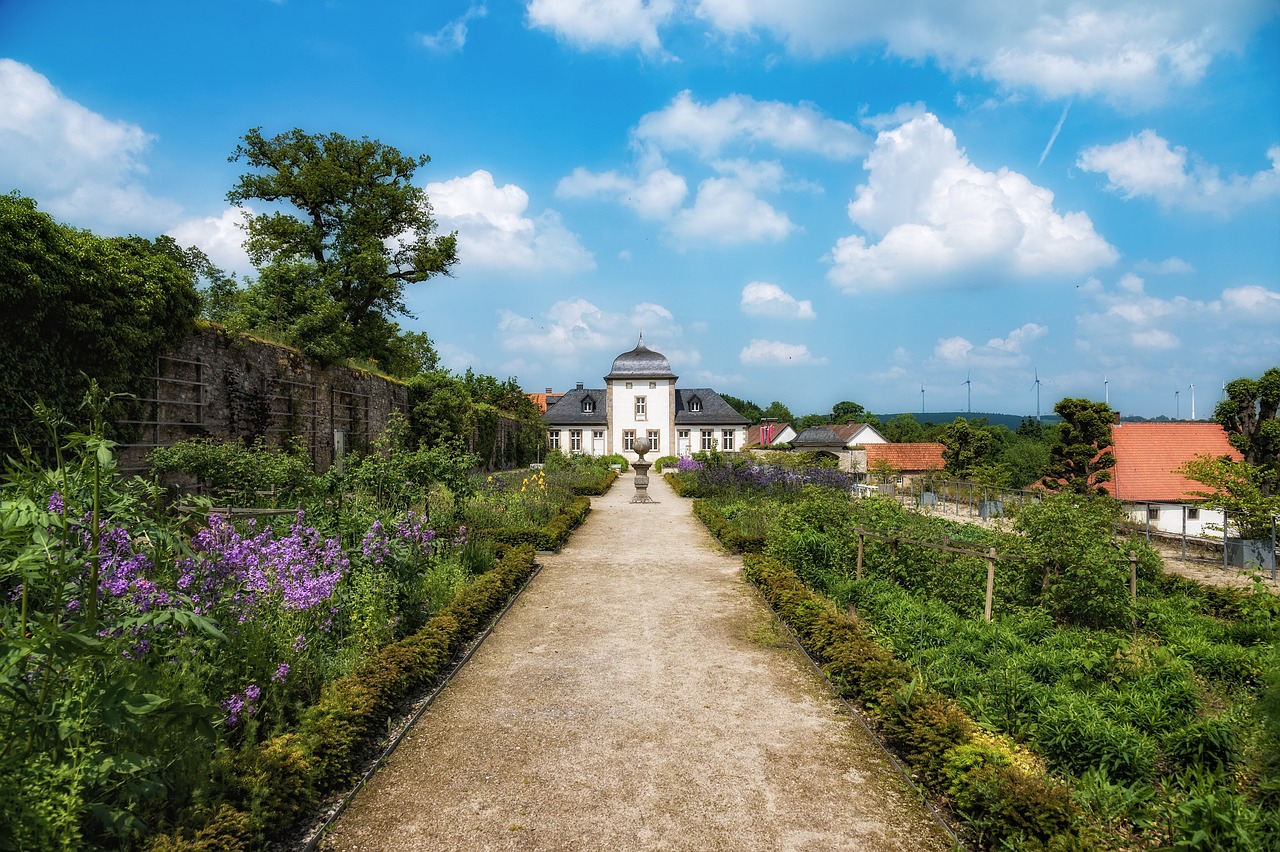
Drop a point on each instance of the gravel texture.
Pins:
(638, 695)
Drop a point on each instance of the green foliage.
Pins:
(1081, 459)
(1239, 488)
(238, 473)
(777, 411)
(1249, 416)
(965, 448)
(746, 408)
(903, 429)
(846, 411)
(81, 305)
(334, 269)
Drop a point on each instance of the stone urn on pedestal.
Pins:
(641, 467)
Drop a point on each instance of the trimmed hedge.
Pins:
(999, 791)
(684, 486)
(594, 486)
(725, 532)
(550, 536)
(264, 789)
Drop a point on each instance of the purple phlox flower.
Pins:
(56, 504)
(300, 643)
(282, 672)
(242, 703)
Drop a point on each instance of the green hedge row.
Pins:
(550, 536)
(727, 533)
(594, 486)
(262, 790)
(684, 486)
(1001, 793)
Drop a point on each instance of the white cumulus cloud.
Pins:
(1146, 165)
(79, 165)
(655, 196)
(706, 129)
(494, 231)
(604, 23)
(573, 328)
(219, 237)
(942, 221)
(997, 352)
(760, 298)
(774, 353)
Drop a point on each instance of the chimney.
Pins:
(579, 385)
(548, 390)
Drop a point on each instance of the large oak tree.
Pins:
(346, 232)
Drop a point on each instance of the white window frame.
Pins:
(642, 408)
(695, 404)
(575, 440)
(726, 439)
(654, 437)
(708, 440)
(588, 406)
(553, 440)
(628, 439)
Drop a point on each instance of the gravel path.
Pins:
(638, 695)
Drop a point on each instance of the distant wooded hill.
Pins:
(1011, 421)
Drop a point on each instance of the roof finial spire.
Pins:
(641, 343)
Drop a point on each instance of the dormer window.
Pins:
(695, 404)
(588, 405)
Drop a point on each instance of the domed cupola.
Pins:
(641, 363)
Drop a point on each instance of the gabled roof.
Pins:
(714, 410)
(839, 435)
(567, 410)
(1147, 454)
(543, 400)
(906, 458)
(768, 433)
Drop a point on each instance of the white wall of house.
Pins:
(1168, 518)
(642, 408)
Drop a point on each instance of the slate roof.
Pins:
(567, 410)
(1147, 454)
(641, 363)
(715, 411)
(907, 458)
(830, 435)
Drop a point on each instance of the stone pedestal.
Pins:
(641, 468)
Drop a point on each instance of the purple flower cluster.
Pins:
(282, 672)
(411, 538)
(56, 504)
(414, 530)
(773, 480)
(687, 464)
(298, 571)
(123, 571)
(242, 703)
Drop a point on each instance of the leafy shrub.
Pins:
(663, 462)
(231, 470)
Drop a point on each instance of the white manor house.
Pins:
(640, 400)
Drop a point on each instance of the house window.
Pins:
(628, 439)
(575, 440)
(653, 385)
(726, 440)
(695, 404)
(683, 434)
(653, 436)
(628, 385)
(641, 407)
(588, 405)
(1153, 513)
(1193, 514)
(553, 440)
(708, 439)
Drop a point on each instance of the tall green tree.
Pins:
(1249, 416)
(745, 407)
(965, 448)
(778, 412)
(1082, 459)
(348, 232)
(845, 410)
(903, 429)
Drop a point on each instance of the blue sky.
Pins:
(808, 201)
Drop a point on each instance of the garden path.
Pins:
(638, 695)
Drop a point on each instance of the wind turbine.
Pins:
(1193, 400)
(968, 389)
(1177, 405)
(922, 397)
(1106, 390)
(1036, 385)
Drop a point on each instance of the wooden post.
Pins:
(991, 581)
(1133, 586)
(858, 572)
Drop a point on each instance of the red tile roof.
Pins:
(906, 458)
(755, 434)
(1147, 454)
(542, 400)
